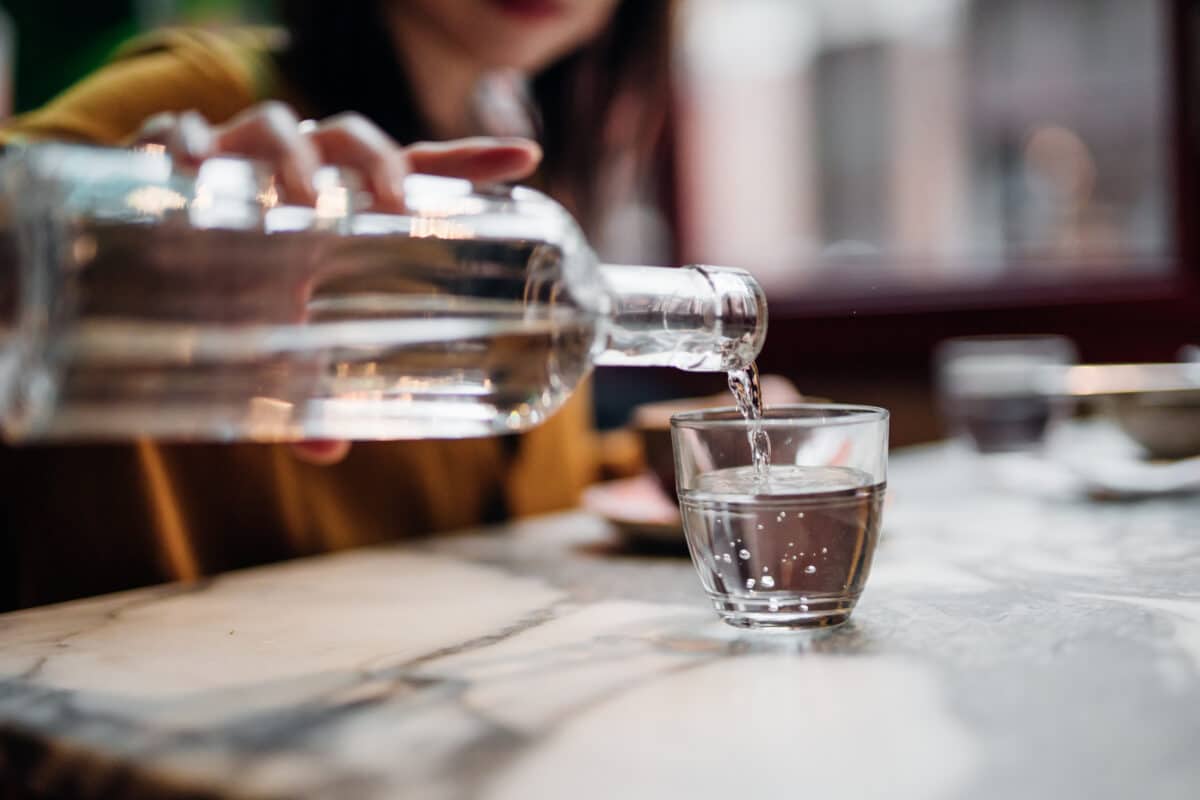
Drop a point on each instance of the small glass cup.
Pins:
(789, 546)
(994, 390)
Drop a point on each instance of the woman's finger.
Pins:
(351, 140)
(156, 129)
(193, 137)
(270, 132)
(481, 159)
(186, 136)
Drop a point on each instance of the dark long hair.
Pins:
(607, 97)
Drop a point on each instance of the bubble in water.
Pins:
(766, 569)
(750, 583)
(799, 515)
(810, 569)
(780, 517)
(824, 549)
(773, 604)
(791, 544)
(743, 554)
(768, 582)
(760, 527)
(804, 606)
(727, 559)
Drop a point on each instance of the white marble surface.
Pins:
(1008, 645)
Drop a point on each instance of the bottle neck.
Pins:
(697, 318)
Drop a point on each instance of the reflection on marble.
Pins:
(761, 725)
(1008, 645)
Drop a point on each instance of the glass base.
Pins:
(784, 613)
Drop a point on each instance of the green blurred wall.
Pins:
(60, 41)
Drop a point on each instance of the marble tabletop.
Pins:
(1009, 644)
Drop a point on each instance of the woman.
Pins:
(380, 80)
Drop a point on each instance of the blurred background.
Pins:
(894, 172)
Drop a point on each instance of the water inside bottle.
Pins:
(366, 337)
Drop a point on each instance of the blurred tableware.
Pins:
(639, 510)
(1166, 424)
(1157, 405)
(790, 545)
(992, 394)
(1094, 458)
(1135, 478)
(1100, 380)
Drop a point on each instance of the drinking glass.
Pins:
(996, 392)
(789, 544)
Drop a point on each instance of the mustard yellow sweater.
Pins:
(87, 519)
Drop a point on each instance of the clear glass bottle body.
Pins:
(139, 301)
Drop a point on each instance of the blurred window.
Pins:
(829, 145)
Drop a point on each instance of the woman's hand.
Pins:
(272, 133)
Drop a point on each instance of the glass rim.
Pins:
(787, 415)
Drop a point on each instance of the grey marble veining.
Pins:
(1009, 644)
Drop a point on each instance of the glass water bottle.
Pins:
(140, 300)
